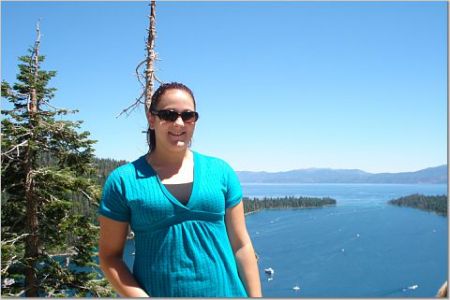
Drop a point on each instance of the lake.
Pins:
(362, 247)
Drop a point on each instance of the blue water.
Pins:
(362, 247)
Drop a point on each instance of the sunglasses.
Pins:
(172, 116)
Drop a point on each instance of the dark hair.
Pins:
(156, 97)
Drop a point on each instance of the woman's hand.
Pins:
(113, 236)
(243, 249)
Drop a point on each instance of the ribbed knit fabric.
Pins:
(181, 250)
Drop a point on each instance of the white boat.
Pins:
(296, 288)
(269, 271)
(130, 235)
(413, 287)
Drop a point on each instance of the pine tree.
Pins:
(47, 171)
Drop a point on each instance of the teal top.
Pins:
(181, 250)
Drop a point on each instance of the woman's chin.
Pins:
(174, 145)
(179, 146)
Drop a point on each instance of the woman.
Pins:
(186, 212)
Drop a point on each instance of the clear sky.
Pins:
(279, 86)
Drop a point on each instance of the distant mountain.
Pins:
(317, 175)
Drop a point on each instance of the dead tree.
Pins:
(151, 56)
(147, 77)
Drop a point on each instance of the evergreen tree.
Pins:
(255, 204)
(47, 171)
(437, 204)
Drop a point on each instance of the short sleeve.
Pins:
(113, 204)
(234, 191)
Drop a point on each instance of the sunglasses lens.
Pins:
(189, 116)
(172, 116)
(168, 115)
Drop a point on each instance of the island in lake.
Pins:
(437, 204)
(256, 204)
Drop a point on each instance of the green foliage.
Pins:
(437, 204)
(104, 166)
(251, 205)
(49, 173)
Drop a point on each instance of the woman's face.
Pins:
(173, 136)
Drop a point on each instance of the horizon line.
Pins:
(344, 169)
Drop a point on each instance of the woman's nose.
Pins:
(179, 121)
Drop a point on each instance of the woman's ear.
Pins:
(150, 119)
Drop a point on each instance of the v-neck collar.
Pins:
(169, 195)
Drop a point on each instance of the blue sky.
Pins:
(279, 86)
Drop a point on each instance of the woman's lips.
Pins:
(177, 134)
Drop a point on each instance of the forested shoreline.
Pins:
(105, 166)
(256, 204)
(437, 204)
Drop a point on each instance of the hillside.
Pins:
(433, 175)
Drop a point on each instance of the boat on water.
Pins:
(269, 271)
(130, 235)
(296, 288)
(411, 287)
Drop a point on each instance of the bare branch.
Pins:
(21, 293)
(9, 264)
(139, 76)
(86, 195)
(18, 137)
(16, 147)
(11, 158)
(133, 106)
(69, 253)
(49, 105)
(14, 240)
(157, 79)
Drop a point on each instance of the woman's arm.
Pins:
(112, 242)
(243, 250)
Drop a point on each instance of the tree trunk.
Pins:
(151, 56)
(32, 240)
(34, 64)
